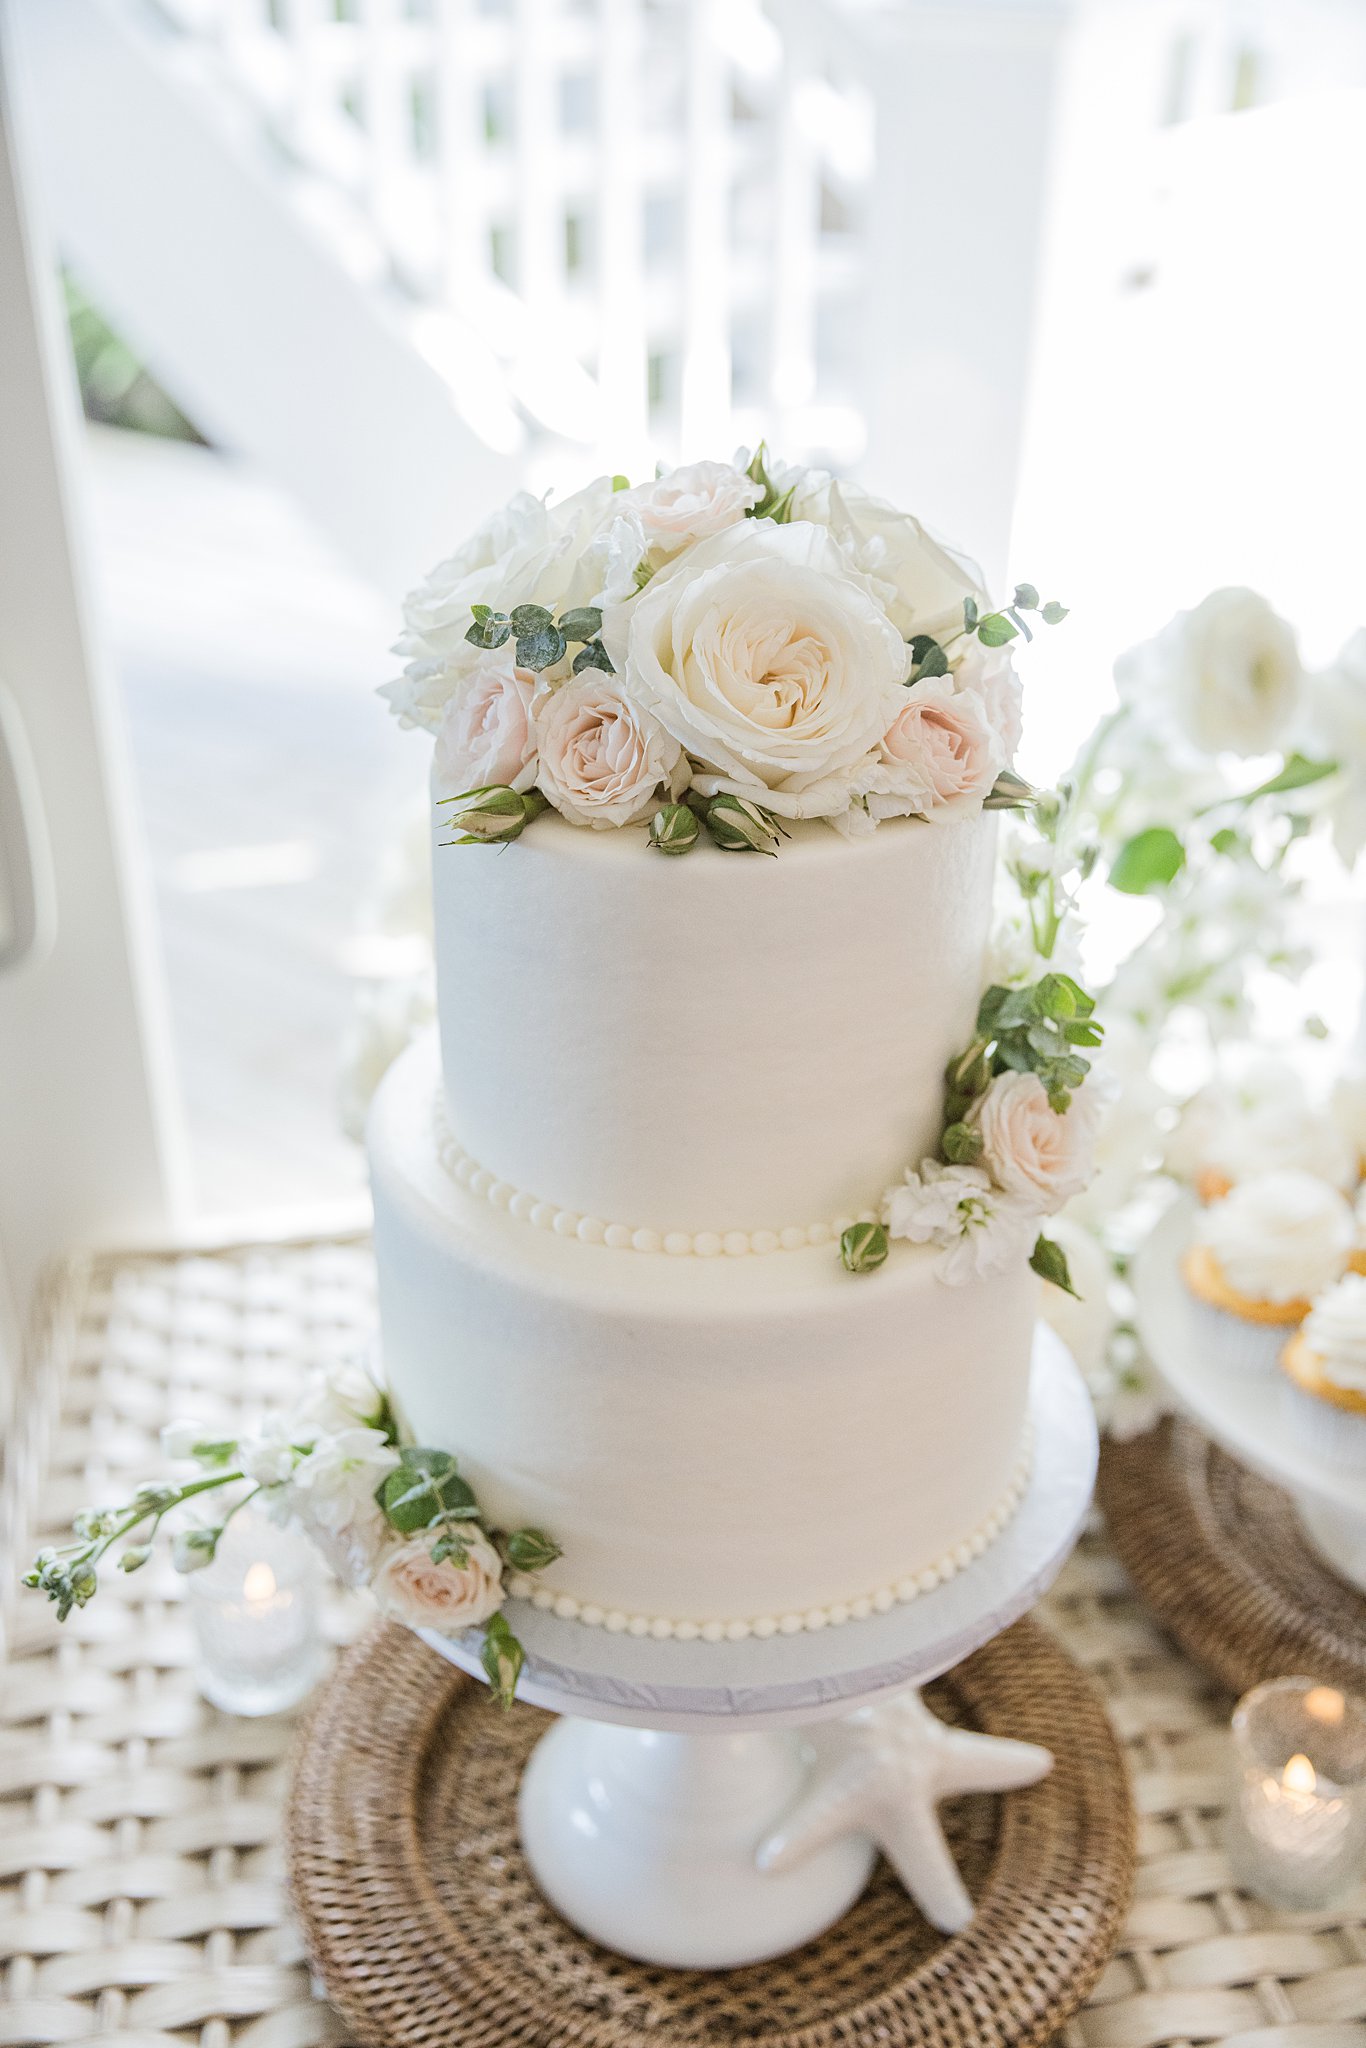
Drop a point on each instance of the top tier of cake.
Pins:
(715, 1044)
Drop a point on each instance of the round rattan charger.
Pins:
(421, 1919)
(1219, 1556)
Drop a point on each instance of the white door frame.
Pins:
(92, 1146)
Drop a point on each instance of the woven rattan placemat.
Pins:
(1219, 1556)
(141, 1895)
(427, 1929)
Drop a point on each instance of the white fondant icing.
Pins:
(622, 1237)
(713, 1044)
(708, 1439)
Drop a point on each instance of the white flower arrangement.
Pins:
(393, 1516)
(727, 647)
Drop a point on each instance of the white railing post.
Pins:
(623, 346)
(964, 96)
(704, 412)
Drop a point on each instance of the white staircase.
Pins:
(407, 253)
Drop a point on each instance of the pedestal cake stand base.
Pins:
(677, 1816)
(428, 1930)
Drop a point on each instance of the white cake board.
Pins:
(679, 1816)
(1242, 1411)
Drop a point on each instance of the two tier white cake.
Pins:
(617, 1197)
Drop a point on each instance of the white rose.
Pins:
(528, 553)
(990, 672)
(938, 758)
(409, 1588)
(922, 583)
(1226, 676)
(691, 503)
(1028, 1148)
(603, 761)
(767, 659)
(487, 736)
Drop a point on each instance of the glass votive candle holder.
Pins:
(1297, 1821)
(255, 1614)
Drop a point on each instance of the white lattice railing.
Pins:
(649, 209)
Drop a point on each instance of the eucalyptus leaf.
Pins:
(1026, 597)
(583, 623)
(541, 649)
(1053, 613)
(527, 619)
(995, 629)
(970, 614)
(493, 630)
(1049, 1261)
(592, 655)
(425, 1488)
(1150, 860)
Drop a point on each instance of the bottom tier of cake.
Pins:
(715, 1443)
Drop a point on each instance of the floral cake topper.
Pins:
(726, 649)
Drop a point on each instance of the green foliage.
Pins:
(1001, 626)
(584, 622)
(592, 655)
(863, 1248)
(1038, 1030)
(530, 1550)
(502, 1657)
(490, 628)
(996, 629)
(1049, 1261)
(1009, 792)
(927, 659)
(775, 504)
(1148, 861)
(1297, 773)
(425, 1487)
(541, 640)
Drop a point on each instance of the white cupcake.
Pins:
(1325, 1368)
(1261, 1255)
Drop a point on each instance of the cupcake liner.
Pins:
(1233, 1342)
(1328, 1432)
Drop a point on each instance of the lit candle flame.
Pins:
(1299, 1776)
(259, 1586)
(1326, 1704)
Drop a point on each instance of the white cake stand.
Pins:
(707, 1805)
(1242, 1411)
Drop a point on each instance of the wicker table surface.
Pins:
(140, 1857)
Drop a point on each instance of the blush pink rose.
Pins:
(939, 757)
(1028, 1149)
(602, 761)
(691, 503)
(409, 1588)
(487, 734)
(990, 672)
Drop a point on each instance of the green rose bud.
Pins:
(739, 826)
(502, 1657)
(674, 829)
(134, 1557)
(863, 1247)
(962, 1144)
(489, 817)
(193, 1549)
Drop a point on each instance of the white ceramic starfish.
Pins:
(881, 1773)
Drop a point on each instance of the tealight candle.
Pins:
(255, 1611)
(1297, 1822)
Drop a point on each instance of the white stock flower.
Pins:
(938, 757)
(269, 1459)
(487, 736)
(690, 503)
(1085, 1321)
(1032, 1151)
(768, 659)
(339, 1398)
(335, 1484)
(922, 583)
(449, 1596)
(178, 1439)
(1337, 709)
(603, 759)
(981, 1229)
(527, 553)
(1225, 676)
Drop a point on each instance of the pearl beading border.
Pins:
(624, 1237)
(521, 1587)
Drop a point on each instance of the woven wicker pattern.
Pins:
(141, 1899)
(403, 1840)
(1219, 1556)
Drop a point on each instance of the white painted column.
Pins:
(964, 93)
